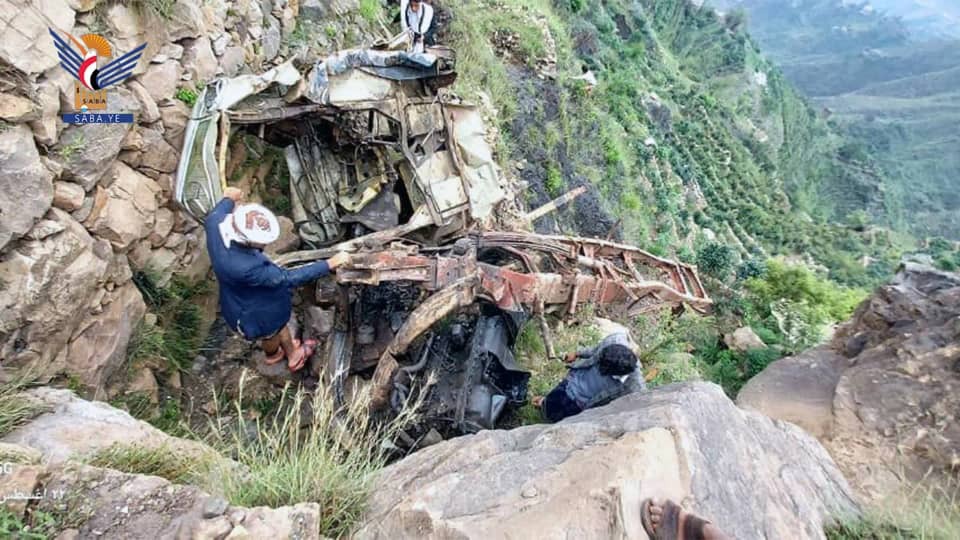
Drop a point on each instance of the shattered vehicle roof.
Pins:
(352, 122)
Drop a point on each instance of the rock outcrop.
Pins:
(74, 427)
(92, 502)
(41, 460)
(883, 396)
(586, 476)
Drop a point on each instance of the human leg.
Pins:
(558, 405)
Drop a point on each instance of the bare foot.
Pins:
(297, 361)
(666, 520)
(536, 401)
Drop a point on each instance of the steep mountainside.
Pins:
(888, 73)
(689, 136)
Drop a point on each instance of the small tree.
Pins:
(715, 259)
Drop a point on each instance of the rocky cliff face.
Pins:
(586, 477)
(84, 207)
(883, 395)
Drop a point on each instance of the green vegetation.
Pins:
(37, 525)
(676, 112)
(177, 335)
(715, 259)
(370, 10)
(796, 304)
(68, 150)
(186, 95)
(163, 461)
(892, 94)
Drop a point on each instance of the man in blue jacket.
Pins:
(256, 294)
(597, 375)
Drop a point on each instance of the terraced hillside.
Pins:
(888, 75)
(691, 137)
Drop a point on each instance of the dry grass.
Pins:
(309, 450)
(15, 407)
(924, 512)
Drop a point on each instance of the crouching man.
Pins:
(255, 294)
(597, 375)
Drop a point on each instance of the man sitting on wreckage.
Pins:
(597, 375)
(255, 293)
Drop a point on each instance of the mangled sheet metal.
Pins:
(517, 273)
(367, 140)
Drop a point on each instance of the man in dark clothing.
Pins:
(256, 294)
(597, 375)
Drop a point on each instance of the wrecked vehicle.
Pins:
(385, 165)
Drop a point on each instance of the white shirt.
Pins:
(419, 20)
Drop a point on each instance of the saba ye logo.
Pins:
(90, 88)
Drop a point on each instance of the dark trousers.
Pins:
(558, 405)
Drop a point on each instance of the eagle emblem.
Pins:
(82, 61)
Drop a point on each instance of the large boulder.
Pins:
(85, 151)
(104, 503)
(26, 186)
(26, 43)
(128, 207)
(586, 476)
(48, 286)
(743, 339)
(98, 346)
(199, 60)
(75, 427)
(883, 394)
(161, 80)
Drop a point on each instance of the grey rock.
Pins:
(128, 208)
(161, 80)
(98, 346)
(26, 186)
(231, 61)
(271, 38)
(174, 116)
(214, 507)
(752, 476)
(744, 339)
(74, 426)
(199, 60)
(29, 48)
(67, 196)
(882, 394)
(85, 151)
(50, 281)
(149, 113)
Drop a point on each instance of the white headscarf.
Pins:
(250, 224)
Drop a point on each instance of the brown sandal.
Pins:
(669, 526)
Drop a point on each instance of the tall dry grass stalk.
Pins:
(309, 450)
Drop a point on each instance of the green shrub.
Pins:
(715, 259)
(186, 95)
(827, 301)
(37, 525)
(554, 181)
(370, 10)
(178, 333)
